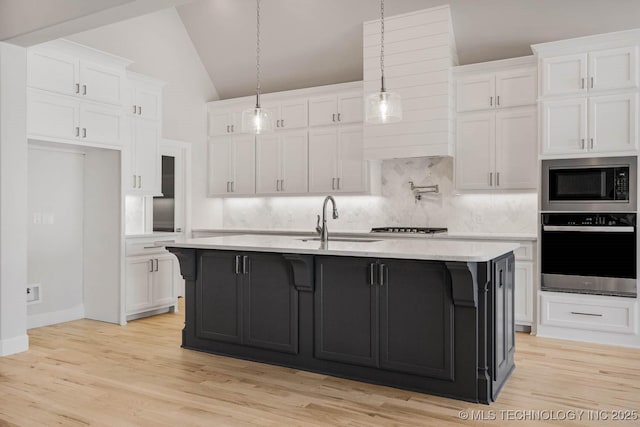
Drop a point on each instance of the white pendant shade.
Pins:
(383, 107)
(257, 120)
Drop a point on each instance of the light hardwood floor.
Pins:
(93, 373)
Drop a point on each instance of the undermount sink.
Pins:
(340, 239)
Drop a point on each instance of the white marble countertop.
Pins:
(420, 249)
(154, 234)
(367, 234)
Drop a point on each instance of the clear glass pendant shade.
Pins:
(257, 121)
(383, 107)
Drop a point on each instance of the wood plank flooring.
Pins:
(92, 373)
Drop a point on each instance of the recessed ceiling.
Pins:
(317, 42)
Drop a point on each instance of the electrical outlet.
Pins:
(478, 219)
(37, 218)
(33, 293)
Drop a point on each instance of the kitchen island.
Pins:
(433, 316)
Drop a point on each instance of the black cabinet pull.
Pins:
(237, 264)
(381, 271)
(372, 274)
(245, 265)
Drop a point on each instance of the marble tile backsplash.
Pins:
(396, 206)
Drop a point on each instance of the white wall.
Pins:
(161, 48)
(13, 200)
(55, 245)
(396, 206)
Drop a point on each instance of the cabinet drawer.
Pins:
(595, 313)
(524, 252)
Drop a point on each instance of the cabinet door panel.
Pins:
(138, 282)
(516, 149)
(220, 123)
(54, 72)
(102, 124)
(147, 137)
(323, 110)
(475, 151)
(523, 290)
(564, 126)
(149, 102)
(503, 327)
(612, 123)
(52, 116)
(270, 304)
(346, 312)
(294, 158)
(164, 281)
(516, 87)
(475, 93)
(100, 83)
(564, 75)
(351, 164)
(218, 298)
(267, 163)
(219, 165)
(294, 114)
(350, 108)
(613, 69)
(416, 319)
(244, 164)
(323, 153)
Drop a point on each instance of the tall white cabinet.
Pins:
(496, 125)
(589, 98)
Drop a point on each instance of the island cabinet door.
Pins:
(346, 312)
(219, 297)
(416, 318)
(270, 308)
(503, 321)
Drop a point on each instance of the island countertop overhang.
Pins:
(426, 250)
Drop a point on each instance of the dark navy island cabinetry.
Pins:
(439, 327)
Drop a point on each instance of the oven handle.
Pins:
(589, 229)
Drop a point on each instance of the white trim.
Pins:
(499, 65)
(275, 96)
(14, 345)
(51, 318)
(417, 12)
(83, 52)
(587, 43)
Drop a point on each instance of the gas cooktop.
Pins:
(413, 230)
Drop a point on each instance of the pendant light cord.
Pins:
(258, 53)
(382, 44)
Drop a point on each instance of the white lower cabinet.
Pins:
(150, 282)
(336, 163)
(588, 312)
(524, 273)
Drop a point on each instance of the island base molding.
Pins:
(437, 327)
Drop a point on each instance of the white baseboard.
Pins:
(45, 319)
(14, 345)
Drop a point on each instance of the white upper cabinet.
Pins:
(70, 69)
(598, 124)
(564, 126)
(335, 160)
(510, 88)
(497, 150)
(281, 163)
(232, 165)
(602, 70)
(289, 114)
(102, 124)
(336, 109)
(144, 109)
(613, 123)
(223, 122)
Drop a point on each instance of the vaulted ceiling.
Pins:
(316, 42)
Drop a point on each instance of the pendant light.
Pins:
(383, 106)
(257, 120)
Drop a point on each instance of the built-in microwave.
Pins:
(604, 184)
